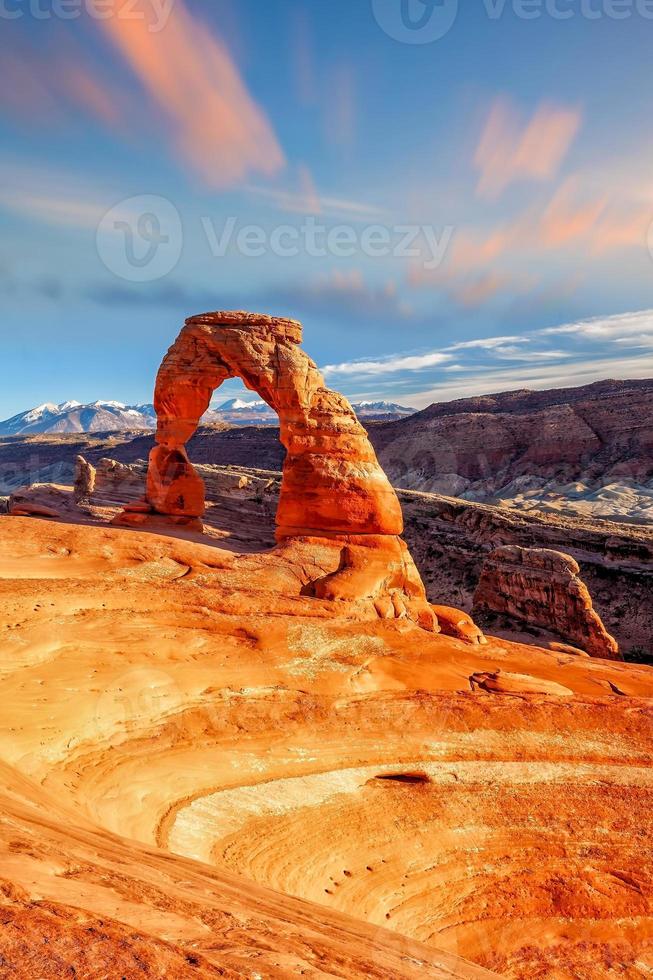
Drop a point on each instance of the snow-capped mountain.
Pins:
(73, 416)
(382, 410)
(238, 411)
(111, 416)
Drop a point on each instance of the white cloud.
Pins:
(488, 343)
(395, 362)
(619, 328)
(484, 382)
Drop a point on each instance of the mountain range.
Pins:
(113, 416)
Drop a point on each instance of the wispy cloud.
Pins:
(50, 85)
(571, 375)
(303, 197)
(340, 106)
(388, 365)
(215, 124)
(621, 328)
(52, 197)
(488, 343)
(535, 363)
(509, 150)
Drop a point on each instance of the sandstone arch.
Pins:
(333, 486)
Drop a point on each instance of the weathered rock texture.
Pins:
(332, 481)
(42, 500)
(499, 444)
(456, 794)
(542, 588)
(448, 539)
(332, 485)
(85, 476)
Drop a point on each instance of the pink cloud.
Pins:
(215, 125)
(568, 217)
(48, 87)
(509, 151)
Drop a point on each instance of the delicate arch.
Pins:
(332, 482)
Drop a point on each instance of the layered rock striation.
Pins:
(518, 441)
(540, 587)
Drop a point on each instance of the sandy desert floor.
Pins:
(361, 804)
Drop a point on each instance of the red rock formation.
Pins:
(542, 588)
(459, 624)
(332, 487)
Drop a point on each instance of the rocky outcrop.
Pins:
(43, 500)
(542, 588)
(448, 539)
(117, 484)
(332, 485)
(458, 624)
(85, 476)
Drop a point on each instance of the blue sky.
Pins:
(447, 215)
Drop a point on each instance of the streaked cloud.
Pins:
(50, 196)
(215, 125)
(510, 150)
(343, 294)
(570, 375)
(621, 328)
(568, 216)
(503, 362)
(488, 343)
(301, 196)
(388, 365)
(62, 81)
(340, 106)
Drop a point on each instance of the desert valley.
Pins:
(226, 755)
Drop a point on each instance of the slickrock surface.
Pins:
(449, 539)
(541, 587)
(166, 699)
(332, 485)
(78, 900)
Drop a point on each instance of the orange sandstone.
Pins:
(332, 488)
